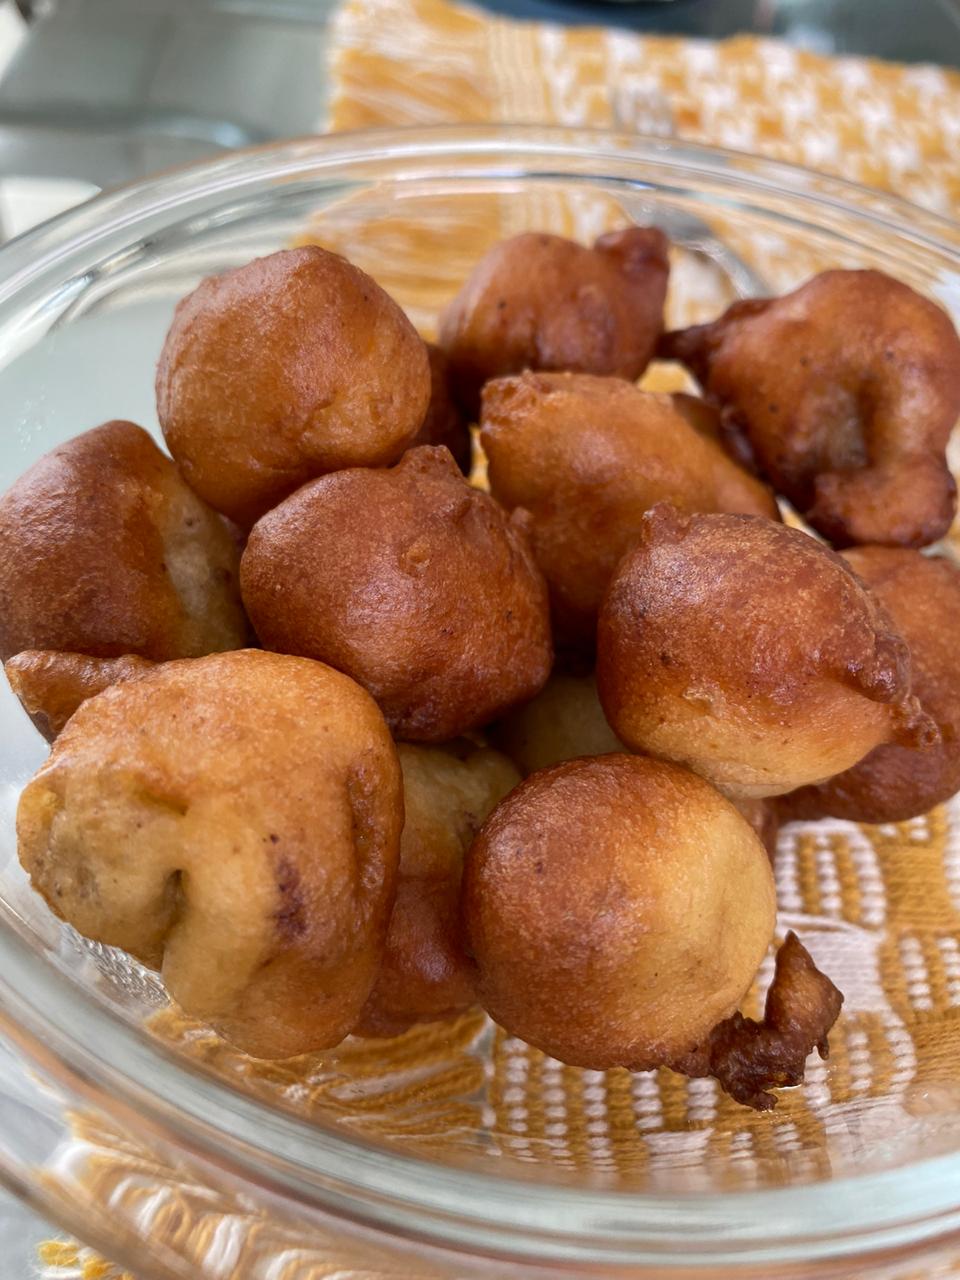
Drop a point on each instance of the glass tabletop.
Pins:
(21, 1232)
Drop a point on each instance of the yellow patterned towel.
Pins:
(881, 906)
(426, 62)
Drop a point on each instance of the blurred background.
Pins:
(99, 92)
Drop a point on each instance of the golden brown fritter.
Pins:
(104, 550)
(444, 423)
(235, 822)
(750, 653)
(425, 974)
(845, 391)
(606, 930)
(564, 721)
(748, 1058)
(284, 369)
(412, 582)
(541, 302)
(587, 457)
(51, 685)
(894, 783)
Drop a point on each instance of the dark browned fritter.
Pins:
(764, 817)
(426, 974)
(104, 550)
(588, 457)
(538, 301)
(844, 393)
(51, 685)
(444, 423)
(896, 782)
(415, 584)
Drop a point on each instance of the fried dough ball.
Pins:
(426, 975)
(845, 391)
(541, 302)
(444, 423)
(607, 930)
(52, 685)
(104, 550)
(587, 457)
(284, 369)
(233, 821)
(750, 653)
(412, 582)
(563, 721)
(894, 783)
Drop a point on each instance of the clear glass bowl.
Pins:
(458, 1151)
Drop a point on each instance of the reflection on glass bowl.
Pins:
(146, 1135)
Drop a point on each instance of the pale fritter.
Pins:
(233, 821)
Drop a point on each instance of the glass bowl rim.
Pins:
(55, 1022)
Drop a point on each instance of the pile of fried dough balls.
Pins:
(343, 742)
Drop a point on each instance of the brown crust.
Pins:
(104, 550)
(764, 817)
(52, 685)
(234, 821)
(587, 457)
(749, 1058)
(284, 369)
(897, 782)
(845, 393)
(538, 301)
(751, 653)
(564, 721)
(411, 581)
(444, 423)
(426, 974)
